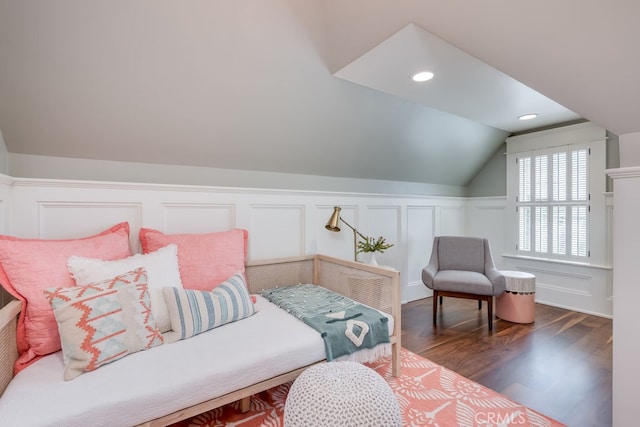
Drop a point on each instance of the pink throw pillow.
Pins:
(205, 260)
(29, 266)
(104, 321)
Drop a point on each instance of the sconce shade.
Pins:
(334, 220)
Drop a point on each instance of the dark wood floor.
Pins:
(560, 365)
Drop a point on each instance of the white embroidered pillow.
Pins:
(104, 321)
(162, 270)
(194, 311)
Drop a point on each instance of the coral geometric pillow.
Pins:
(194, 311)
(205, 259)
(103, 322)
(162, 270)
(31, 265)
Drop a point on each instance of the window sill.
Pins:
(558, 261)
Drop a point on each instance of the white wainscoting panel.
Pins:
(89, 218)
(337, 244)
(486, 217)
(421, 227)
(577, 287)
(289, 223)
(384, 220)
(197, 217)
(277, 231)
(452, 220)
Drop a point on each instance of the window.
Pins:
(553, 203)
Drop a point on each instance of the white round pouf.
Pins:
(341, 394)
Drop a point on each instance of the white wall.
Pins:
(281, 223)
(285, 223)
(626, 250)
(630, 149)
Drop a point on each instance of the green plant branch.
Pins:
(369, 244)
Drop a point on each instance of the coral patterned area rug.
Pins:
(428, 394)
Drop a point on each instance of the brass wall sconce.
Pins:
(334, 225)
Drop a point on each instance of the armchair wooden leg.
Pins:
(479, 298)
(490, 312)
(435, 306)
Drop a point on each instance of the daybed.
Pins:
(176, 381)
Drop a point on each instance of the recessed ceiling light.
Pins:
(422, 76)
(528, 116)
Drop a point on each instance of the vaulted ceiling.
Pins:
(317, 87)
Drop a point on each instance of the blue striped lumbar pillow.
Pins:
(193, 311)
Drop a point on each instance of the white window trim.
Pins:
(532, 203)
(584, 134)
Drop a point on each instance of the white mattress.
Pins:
(164, 379)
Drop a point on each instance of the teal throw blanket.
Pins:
(345, 325)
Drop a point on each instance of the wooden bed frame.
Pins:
(374, 286)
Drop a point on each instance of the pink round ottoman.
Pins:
(517, 303)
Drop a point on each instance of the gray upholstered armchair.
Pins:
(462, 267)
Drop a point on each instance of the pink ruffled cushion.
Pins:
(205, 260)
(29, 266)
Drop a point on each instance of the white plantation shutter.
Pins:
(541, 179)
(579, 192)
(579, 231)
(541, 228)
(559, 194)
(525, 179)
(559, 230)
(559, 176)
(524, 240)
(553, 203)
(579, 177)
